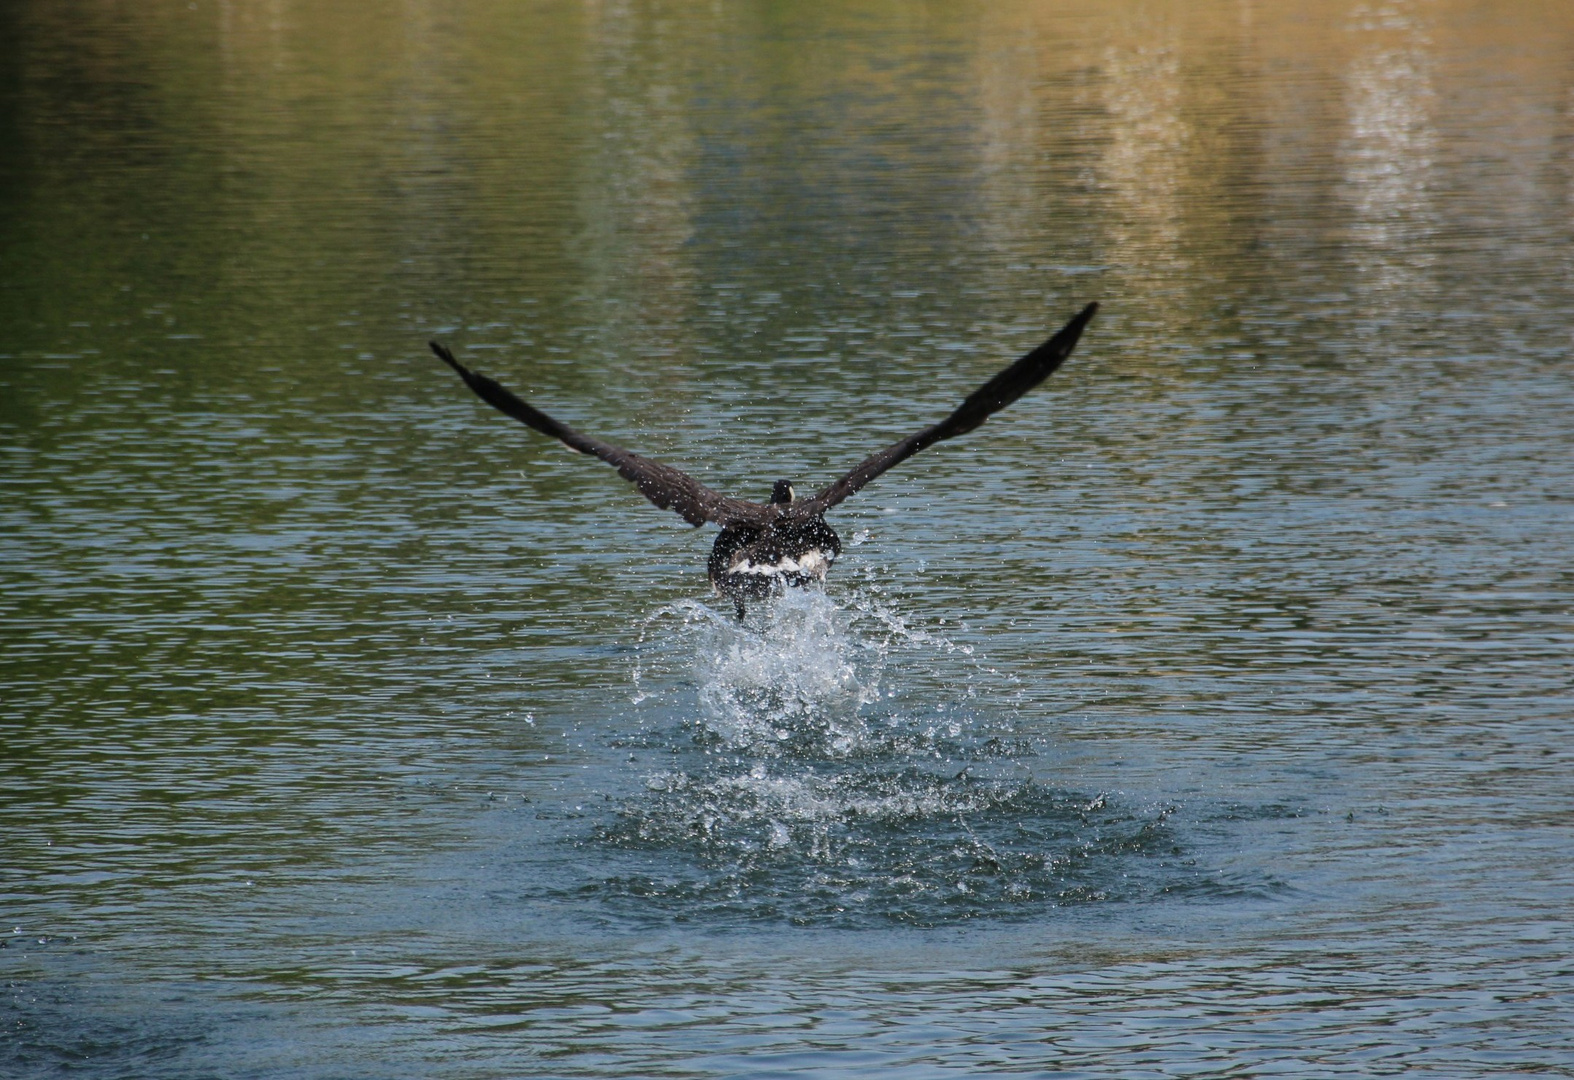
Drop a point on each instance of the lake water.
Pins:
(1208, 712)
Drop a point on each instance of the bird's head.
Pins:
(782, 492)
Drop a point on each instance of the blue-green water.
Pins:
(1208, 712)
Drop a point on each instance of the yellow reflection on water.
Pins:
(592, 153)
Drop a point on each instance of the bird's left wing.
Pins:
(668, 488)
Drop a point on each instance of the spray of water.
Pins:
(827, 762)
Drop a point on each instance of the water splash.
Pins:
(799, 683)
(805, 676)
(827, 762)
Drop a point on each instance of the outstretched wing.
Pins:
(988, 399)
(663, 485)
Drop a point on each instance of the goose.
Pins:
(765, 547)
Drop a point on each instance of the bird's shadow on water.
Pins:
(827, 764)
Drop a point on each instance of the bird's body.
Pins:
(751, 563)
(766, 547)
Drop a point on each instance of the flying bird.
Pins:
(764, 547)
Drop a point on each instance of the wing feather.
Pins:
(668, 488)
(988, 399)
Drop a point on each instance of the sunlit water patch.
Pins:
(828, 763)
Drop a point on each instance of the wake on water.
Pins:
(826, 763)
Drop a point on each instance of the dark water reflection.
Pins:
(1209, 711)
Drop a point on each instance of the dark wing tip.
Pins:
(1070, 333)
(447, 357)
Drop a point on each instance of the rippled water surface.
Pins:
(1207, 712)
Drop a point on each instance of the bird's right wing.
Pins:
(988, 399)
(668, 488)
